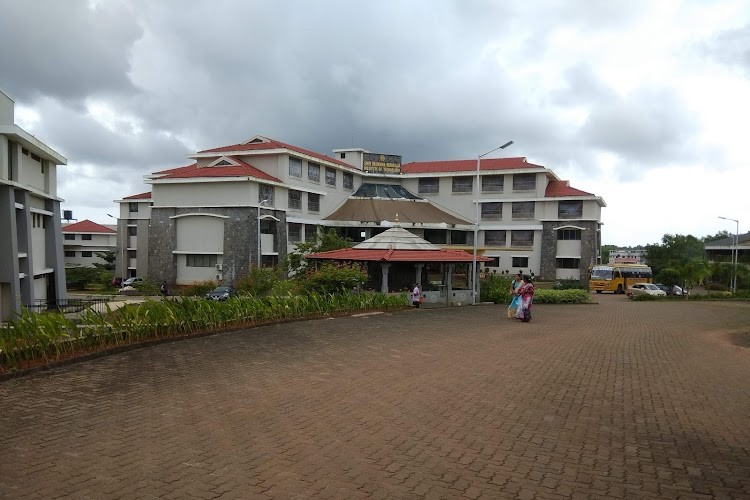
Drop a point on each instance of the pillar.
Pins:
(384, 266)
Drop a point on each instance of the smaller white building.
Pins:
(84, 240)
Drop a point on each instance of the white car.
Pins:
(644, 289)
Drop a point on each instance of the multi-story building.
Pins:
(85, 241)
(31, 251)
(132, 235)
(247, 204)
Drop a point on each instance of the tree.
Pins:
(606, 249)
(323, 242)
(109, 259)
(77, 277)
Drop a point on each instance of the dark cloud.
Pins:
(731, 47)
(66, 49)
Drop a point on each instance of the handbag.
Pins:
(421, 299)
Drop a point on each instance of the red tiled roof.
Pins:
(562, 188)
(420, 167)
(87, 226)
(386, 255)
(140, 196)
(242, 169)
(274, 144)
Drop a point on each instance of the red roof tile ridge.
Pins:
(87, 226)
(138, 196)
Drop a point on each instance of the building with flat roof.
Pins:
(32, 269)
(248, 204)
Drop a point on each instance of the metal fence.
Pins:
(97, 304)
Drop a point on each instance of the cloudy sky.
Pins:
(645, 103)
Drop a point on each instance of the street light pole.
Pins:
(735, 252)
(474, 274)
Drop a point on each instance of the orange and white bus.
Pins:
(618, 277)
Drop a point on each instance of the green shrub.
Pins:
(719, 287)
(572, 296)
(260, 281)
(147, 287)
(570, 285)
(198, 288)
(494, 288)
(646, 297)
(333, 278)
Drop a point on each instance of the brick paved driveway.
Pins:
(621, 399)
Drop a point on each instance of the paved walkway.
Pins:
(621, 399)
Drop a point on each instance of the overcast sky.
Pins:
(645, 103)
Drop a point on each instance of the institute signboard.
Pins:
(376, 163)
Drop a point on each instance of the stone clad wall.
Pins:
(589, 247)
(240, 240)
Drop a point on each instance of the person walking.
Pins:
(416, 296)
(526, 292)
(514, 297)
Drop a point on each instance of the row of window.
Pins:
(523, 210)
(313, 173)
(72, 237)
(490, 184)
(71, 253)
(523, 262)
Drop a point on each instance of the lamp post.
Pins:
(476, 225)
(260, 217)
(735, 252)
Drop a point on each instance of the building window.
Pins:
(463, 184)
(523, 210)
(494, 263)
(492, 183)
(70, 236)
(459, 237)
(520, 262)
(197, 260)
(568, 263)
(86, 237)
(313, 202)
(295, 167)
(69, 253)
(295, 199)
(524, 182)
(265, 194)
(569, 234)
(429, 185)
(294, 230)
(492, 211)
(522, 238)
(86, 254)
(436, 236)
(131, 254)
(342, 155)
(570, 209)
(494, 238)
(311, 232)
(348, 180)
(330, 177)
(313, 172)
(132, 231)
(132, 207)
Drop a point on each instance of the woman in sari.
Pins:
(515, 298)
(526, 292)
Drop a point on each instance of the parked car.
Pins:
(671, 290)
(117, 282)
(221, 293)
(130, 281)
(644, 289)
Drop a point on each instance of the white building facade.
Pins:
(85, 241)
(32, 268)
(249, 203)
